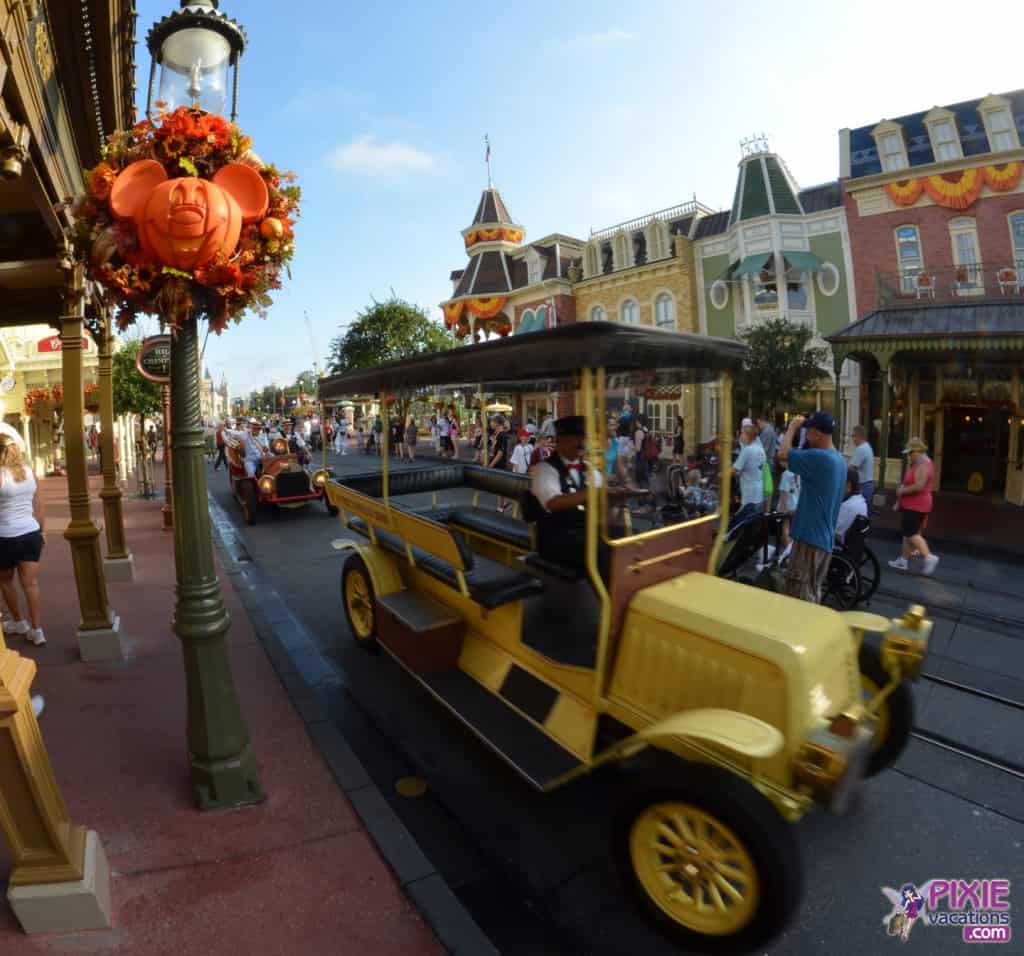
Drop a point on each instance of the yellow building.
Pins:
(642, 272)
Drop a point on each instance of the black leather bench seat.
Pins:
(490, 583)
(493, 524)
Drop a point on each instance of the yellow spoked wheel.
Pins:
(894, 716)
(360, 604)
(695, 868)
(708, 859)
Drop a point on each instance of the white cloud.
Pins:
(366, 156)
(600, 39)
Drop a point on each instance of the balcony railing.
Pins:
(961, 284)
(667, 215)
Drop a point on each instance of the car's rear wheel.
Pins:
(250, 501)
(360, 603)
(708, 859)
(895, 714)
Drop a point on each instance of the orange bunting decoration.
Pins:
(488, 235)
(906, 192)
(453, 312)
(1004, 177)
(486, 308)
(470, 238)
(513, 235)
(955, 190)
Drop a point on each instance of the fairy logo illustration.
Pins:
(908, 906)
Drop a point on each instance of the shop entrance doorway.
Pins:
(976, 449)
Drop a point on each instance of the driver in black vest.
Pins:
(560, 486)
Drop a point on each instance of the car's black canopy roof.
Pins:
(549, 360)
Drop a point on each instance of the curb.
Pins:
(308, 679)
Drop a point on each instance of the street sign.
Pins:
(154, 361)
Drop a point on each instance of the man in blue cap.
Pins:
(822, 472)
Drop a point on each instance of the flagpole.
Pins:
(487, 159)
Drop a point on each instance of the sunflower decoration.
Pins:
(186, 142)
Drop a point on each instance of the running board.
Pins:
(528, 750)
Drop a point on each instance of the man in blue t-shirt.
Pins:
(822, 472)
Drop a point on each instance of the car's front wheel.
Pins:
(708, 859)
(894, 715)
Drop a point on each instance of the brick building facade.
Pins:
(935, 206)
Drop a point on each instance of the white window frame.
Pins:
(944, 150)
(975, 284)
(891, 160)
(1017, 252)
(665, 297)
(592, 260)
(622, 251)
(990, 108)
(908, 277)
(598, 313)
(828, 269)
(634, 308)
(718, 294)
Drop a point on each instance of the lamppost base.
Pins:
(71, 907)
(222, 784)
(119, 569)
(102, 644)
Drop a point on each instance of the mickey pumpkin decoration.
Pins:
(185, 222)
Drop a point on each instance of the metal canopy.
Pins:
(551, 359)
(803, 261)
(751, 265)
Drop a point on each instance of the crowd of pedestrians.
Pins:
(820, 494)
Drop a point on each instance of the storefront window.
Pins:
(796, 294)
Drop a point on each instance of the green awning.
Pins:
(751, 265)
(803, 261)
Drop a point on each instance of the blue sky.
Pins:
(596, 114)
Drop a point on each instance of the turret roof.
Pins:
(764, 187)
(491, 209)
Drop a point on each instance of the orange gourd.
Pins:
(185, 222)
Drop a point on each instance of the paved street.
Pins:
(535, 870)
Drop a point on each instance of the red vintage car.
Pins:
(281, 480)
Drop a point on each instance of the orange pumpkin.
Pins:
(184, 223)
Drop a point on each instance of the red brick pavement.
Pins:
(297, 874)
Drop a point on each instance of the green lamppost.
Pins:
(194, 47)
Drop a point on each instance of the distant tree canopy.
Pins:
(385, 332)
(306, 383)
(781, 365)
(133, 394)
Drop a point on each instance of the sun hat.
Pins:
(915, 444)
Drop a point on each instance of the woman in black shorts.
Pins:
(21, 539)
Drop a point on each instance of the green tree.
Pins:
(781, 365)
(133, 394)
(306, 383)
(385, 332)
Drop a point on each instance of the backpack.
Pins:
(652, 447)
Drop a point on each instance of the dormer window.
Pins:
(999, 125)
(535, 263)
(892, 149)
(944, 136)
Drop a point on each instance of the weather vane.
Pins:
(757, 143)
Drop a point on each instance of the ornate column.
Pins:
(118, 565)
(224, 771)
(883, 359)
(60, 881)
(168, 508)
(99, 630)
(838, 358)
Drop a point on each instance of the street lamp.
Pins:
(194, 47)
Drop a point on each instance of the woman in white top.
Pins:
(21, 539)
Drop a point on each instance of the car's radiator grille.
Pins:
(292, 483)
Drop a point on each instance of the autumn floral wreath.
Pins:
(187, 143)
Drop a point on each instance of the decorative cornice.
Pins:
(850, 186)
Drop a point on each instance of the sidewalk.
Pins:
(964, 521)
(297, 874)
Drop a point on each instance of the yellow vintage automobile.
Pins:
(728, 712)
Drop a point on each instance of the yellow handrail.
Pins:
(724, 470)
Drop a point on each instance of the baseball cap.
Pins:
(524, 433)
(915, 444)
(822, 422)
